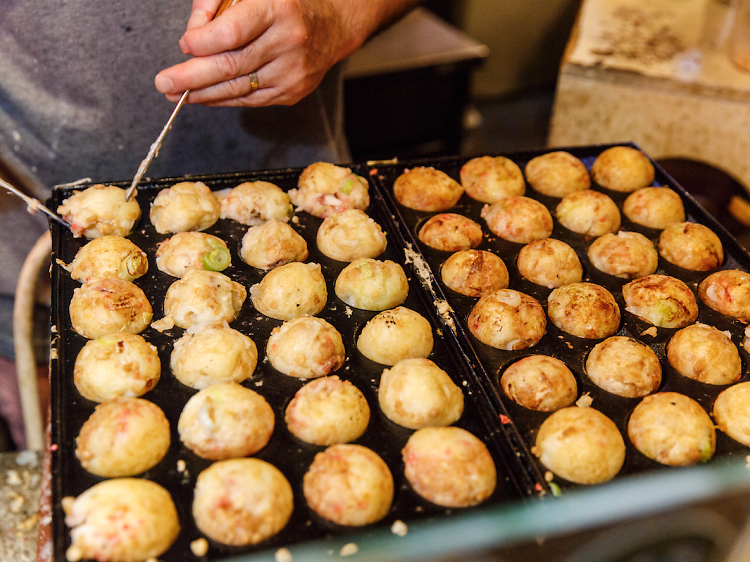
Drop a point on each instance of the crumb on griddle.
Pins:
(399, 528)
(199, 547)
(584, 401)
(283, 555)
(348, 549)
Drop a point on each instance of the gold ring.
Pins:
(253, 81)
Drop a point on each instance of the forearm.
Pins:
(371, 16)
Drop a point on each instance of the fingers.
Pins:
(202, 13)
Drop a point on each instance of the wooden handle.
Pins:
(224, 5)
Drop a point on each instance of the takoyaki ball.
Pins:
(394, 335)
(255, 202)
(224, 421)
(212, 354)
(184, 206)
(370, 284)
(584, 310)
(449, 466)
(272, 244)
(291, 290)
(691, 246)
(242, 501)
(108, 256)
(581, 445)
(306, 348)
(474, 273)
(427, 189)
(732, 412)
(203, 297)
(661, 300)
(324, 189)
(121, 520)
(625, 367)
(328, 411)
(654, 207)
(627, 255)
(186, 250)
(104, 306)
(100, 210)
(727, 292)
(672, 429)
(540, 383)
(622, 168)
(349, 485)
(588, 212)
(557, 174)
(416, 393)
(705, 354)
(350, 235)
(115, 365)
(489, 179)
(508, 319)
(123, 437)
(450, 232)
(550, 263)
(518, 219)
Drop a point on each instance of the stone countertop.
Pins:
(20, 488)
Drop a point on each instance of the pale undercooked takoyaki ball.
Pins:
(585, 310)
(691, 246)
(489, 179)
(184, 206)
(624, 366)
(271, 245)
(416, 393)
(550, 263)
(121, 520)
(449, 466)
(672, 429)
(224, 421)
(654, 207)
(215, 353)
(627, 255)
(324, 189)
(242, 501)
(581, 445)
(557, 174)
(291, 290)
(186, 250)
(372, 285)
(540, 383)
(123, 437)
(100, 210)
(518, 219)
(349, 485)
(350, 235)
(306, 348)
(427, 189)
(588, 212)
(727, 292)
(203, 297)
(394, 335)
(255, 202)
(705, 354)
(622, 168)
(450, 232)
(105, 306)
(474, 273)
(508, 319)
(661, 300)
(732, 412)
(328, 411)
(109, 256)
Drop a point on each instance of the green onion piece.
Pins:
(366, 270)
(135, 264)
(346, 189)
(555, 489)
(217, 259)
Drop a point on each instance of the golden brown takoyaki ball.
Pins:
(518, 219)
(306, 348)
(292, 290)
(672, 429)
(272, 244)
(557, 174)
(350, 235)
(489, 179)
(372, 284)
(588, 212)
(508, 319)
(705, 354)
(622, 168)
(109, 256)
(184, 206)
(100, 210)
(186, 250)
(427, 189)
(450, 232)
(661, 300)
(474, 273)
(727, 292)
(104, 306)
(394, 335)
(732, 412)
(654, 207)
(584, 310)
(624, 366)
(691, 246)
(203, 297)
(581, 445)
(254, 202)
(540, 383)
(550, 263)
(627, 255)
(324, 189)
